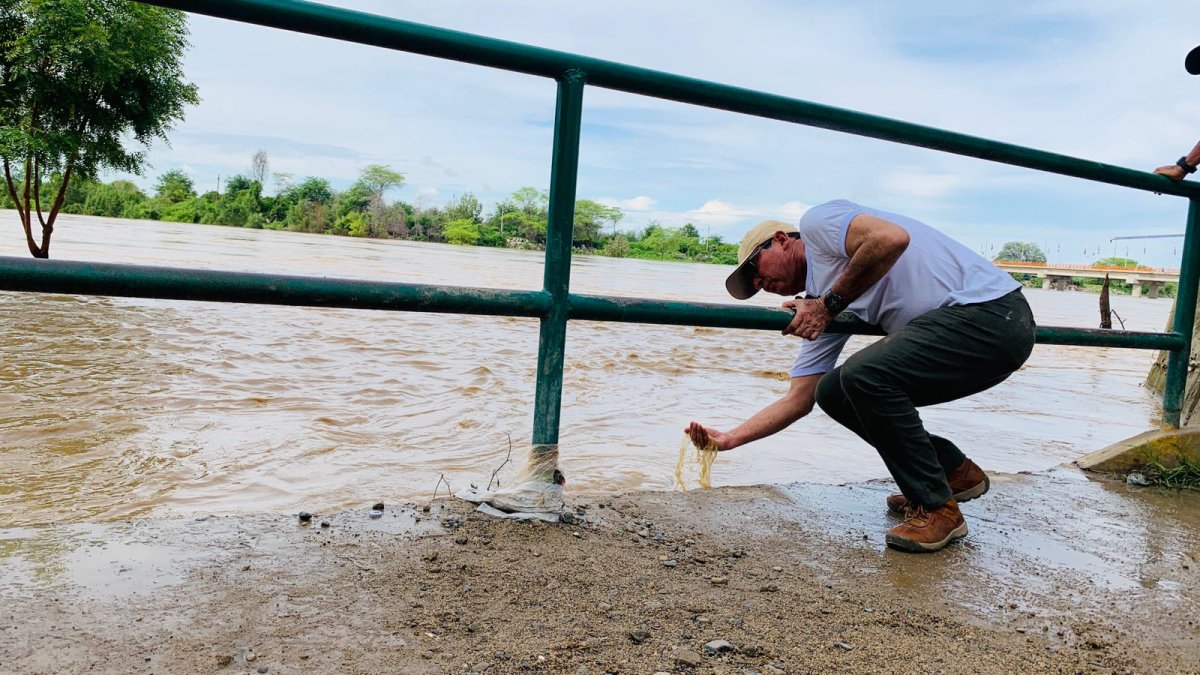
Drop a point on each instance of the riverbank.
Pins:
(1059, 573)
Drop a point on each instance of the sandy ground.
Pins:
(1059, 574)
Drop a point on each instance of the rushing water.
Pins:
(114, 407)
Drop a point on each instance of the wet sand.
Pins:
(1059, 573)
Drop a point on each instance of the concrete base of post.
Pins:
(1168, 447)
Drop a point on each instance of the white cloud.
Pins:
(639, 203)
(792, 211)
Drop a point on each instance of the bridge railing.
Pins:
(1081, 266)
(554, 305)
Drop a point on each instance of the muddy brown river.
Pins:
(112, 408)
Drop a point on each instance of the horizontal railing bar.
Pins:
(168, 283)
(636, 310)
(369, 29)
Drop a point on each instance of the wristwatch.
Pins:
(835, 303)
(1183, 164)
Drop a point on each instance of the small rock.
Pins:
(324, 523)
(843, 646)
(305, 516)
(425, 508)
(718, 647)
(502, 656)
(777, 568)
(250, 657)
(262, 669)
(719, 581)
(769, 588)
(568, 518)
(688, 658)
(669, 563)
(643, 533)
(577, 535)
(460, 541)
(224, 660)
(639, 636)
(605, 607)
(377, 507)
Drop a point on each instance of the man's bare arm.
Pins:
(874, 245)
(776, 417)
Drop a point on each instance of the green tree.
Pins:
(112, 200)
(617, 246)
(378, 179)
(532, 201)
(466, 207)
(315, 190)
(80, 79)
(1021, 251)
(462, 231)
(174, 186)
(590, 217)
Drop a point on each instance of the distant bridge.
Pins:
(1057, 275)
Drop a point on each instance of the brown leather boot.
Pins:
(928, 529)
(967, 482)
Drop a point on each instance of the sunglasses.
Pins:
(752, 259)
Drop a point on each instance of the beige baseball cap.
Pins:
(740, 283)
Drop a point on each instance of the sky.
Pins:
(1098, 81)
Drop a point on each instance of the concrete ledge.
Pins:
(1166, 447)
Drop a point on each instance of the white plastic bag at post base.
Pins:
(530, 497)
(527, 501)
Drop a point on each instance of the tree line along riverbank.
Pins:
(313, 205)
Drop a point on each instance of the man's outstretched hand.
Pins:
(701, 435)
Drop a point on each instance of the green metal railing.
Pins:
(555, 305)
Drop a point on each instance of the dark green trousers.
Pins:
(940, 356)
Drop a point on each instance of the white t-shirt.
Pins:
(934, 271)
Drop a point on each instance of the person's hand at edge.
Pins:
(1172, 171)
(702, 435)
(812, 317)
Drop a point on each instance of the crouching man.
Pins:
(956, 325)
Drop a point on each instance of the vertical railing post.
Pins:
(557, 277)
(1184, 319)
